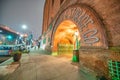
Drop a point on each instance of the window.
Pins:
(61, 1)
(52, 2)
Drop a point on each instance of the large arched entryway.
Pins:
(79, 20)
(91, 30)
(66, 38)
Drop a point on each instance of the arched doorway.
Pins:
(92, 32)
(66, 38)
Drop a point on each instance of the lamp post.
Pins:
(24, 27)
(76, 40)
(75, 57)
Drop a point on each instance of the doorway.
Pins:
(66, 38)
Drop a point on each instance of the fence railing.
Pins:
(65, 48)
(114, 69)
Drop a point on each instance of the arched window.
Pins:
(52, 2)
(61, 1)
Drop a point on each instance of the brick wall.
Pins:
(108, 12)
(97, 60)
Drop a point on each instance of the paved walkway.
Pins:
(41, 67)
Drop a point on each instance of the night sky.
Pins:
(15, 13)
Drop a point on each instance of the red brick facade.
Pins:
(105, 21)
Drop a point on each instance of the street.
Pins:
(36, 66)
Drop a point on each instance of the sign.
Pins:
(90, 27)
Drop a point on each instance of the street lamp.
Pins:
(22, 36)
(75, 57)
(76, 41)
(24, 27)
(76, 33)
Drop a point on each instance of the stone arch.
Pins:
(92, 31)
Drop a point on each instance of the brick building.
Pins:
(98, 25)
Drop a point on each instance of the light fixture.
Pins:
(24, 27)
(1, 31)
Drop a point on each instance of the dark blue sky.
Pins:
(15, 13)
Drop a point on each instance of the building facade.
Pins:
(97, 23)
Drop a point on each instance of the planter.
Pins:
(17, 57)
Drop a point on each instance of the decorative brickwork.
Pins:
(98, 22)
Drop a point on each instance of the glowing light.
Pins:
(9, 37)
(21, 35)
(66, 33)
(24, 27)
(76, 33)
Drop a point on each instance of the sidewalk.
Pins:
(41, 67)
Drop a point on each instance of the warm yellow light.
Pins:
(65, 34)
(76, 33)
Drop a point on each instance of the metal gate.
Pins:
(114, 69)
(65, 49)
